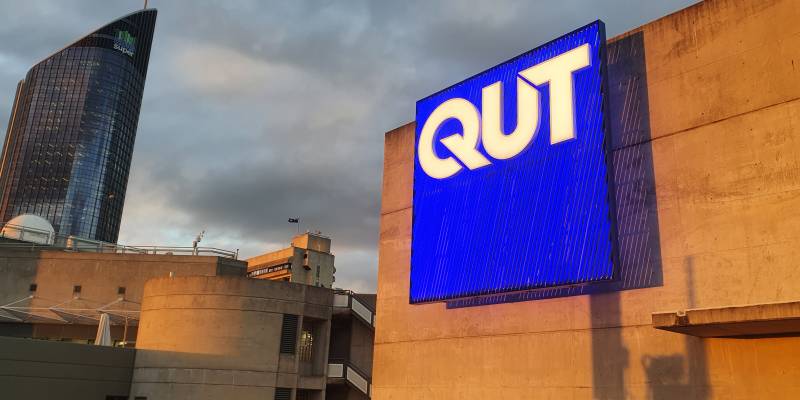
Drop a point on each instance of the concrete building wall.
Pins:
(308, 254)
(712, 95)
(44, 370)
(314, 242)
(56, 272)
(218, 337)
(361, 345)
(100, 276)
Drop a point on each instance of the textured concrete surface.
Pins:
(218, 337)
(717, 119)
(44, 370)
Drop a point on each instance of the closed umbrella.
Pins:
(103, 331)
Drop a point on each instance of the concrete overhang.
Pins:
(271, 263)
(748, 320)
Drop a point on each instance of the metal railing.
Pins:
(38, 238)
(343, 369)
(346, 299)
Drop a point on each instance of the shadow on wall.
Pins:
(609, 355)
(634, 182)
(683, 376)
(637, 225)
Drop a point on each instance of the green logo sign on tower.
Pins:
(125, 42)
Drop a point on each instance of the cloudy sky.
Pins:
(255, 111)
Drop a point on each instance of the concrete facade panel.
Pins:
(720, 125)
(710, 58)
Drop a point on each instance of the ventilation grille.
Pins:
(283, 393)
(289, 334)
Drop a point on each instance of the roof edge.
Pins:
(142, 11)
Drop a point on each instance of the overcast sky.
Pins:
(256, 111)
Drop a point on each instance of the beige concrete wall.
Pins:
(44, 370)
(312, 242)
(218, 337)
(723, 120)
(306, 250)
(100, 275)
(56, 272)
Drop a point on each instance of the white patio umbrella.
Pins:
(103, 331)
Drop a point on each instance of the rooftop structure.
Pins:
(308, 260)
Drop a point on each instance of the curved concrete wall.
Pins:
(218, 337)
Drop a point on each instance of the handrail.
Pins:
(351, 374)
(354, 294)
(358, 307)
(350, 364)
(49, 240)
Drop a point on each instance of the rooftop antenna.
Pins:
(197, 241)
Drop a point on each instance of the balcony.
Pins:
(342, 371)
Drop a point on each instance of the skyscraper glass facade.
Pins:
(69, 143)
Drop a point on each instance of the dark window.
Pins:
(118, 397)
(76, 289)
(33, 287)
(283, 393)
(303, 395)
(121, 290)
(289, 334)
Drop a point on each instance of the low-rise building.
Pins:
(52, 293)
(308, 260)
(196, 325)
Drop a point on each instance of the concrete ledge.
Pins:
(749, 320)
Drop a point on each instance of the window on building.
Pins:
(289, 334)
(306, 345)
(33, 287)
(304, 394)
(283, 393)
(121, 290)
(76, 289)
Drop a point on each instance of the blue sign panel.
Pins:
(511, 178)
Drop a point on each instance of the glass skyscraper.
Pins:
(68, 148)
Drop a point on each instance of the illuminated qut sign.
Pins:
(556, 72)
(511, 179)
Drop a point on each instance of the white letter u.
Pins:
(495, 141)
